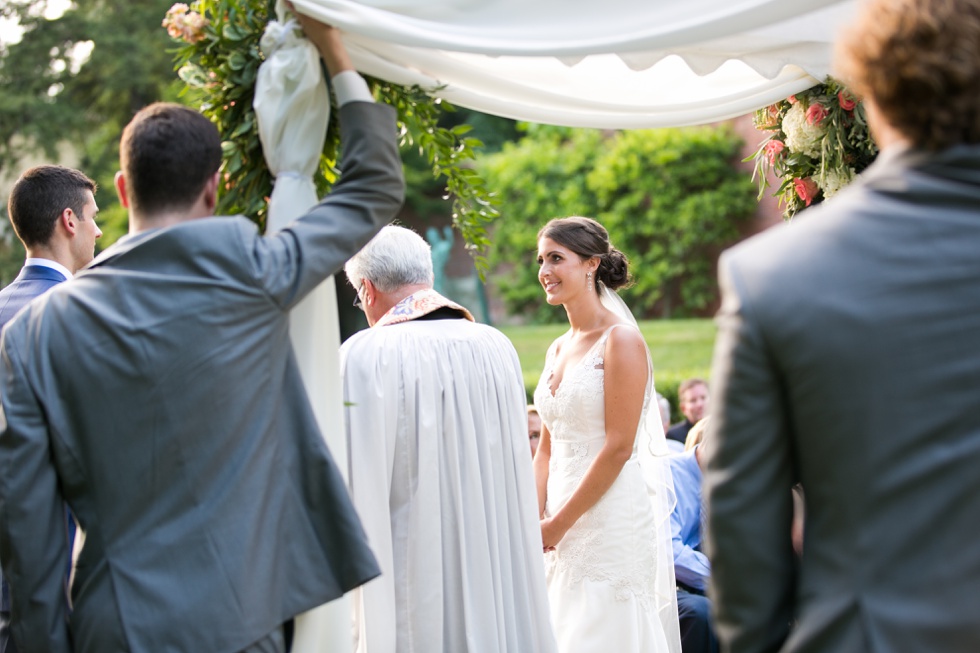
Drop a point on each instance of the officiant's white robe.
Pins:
(440, 473)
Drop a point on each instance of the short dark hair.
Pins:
(168, 153)
(588, 238)
(40, 196)
(919, 60)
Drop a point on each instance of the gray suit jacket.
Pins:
(848, 358)
(158, 394)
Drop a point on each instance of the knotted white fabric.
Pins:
(610, 64)
(292, 107)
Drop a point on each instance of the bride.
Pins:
(604, 497)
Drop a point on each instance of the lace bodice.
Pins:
(576, 412)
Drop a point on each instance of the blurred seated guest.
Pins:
(695, 435)
(533, 428)
(439, 469)
(691, 567)
(664, 404)
(692, 398)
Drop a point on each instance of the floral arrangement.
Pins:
(818, 142)
(218, 58)
(182, 23)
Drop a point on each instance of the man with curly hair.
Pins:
(847, 360)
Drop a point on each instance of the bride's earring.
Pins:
(588, 279)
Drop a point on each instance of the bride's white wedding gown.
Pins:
(601, 577)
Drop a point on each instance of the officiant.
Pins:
(440, 470)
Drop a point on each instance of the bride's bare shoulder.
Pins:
(625, 346)
(625, 334)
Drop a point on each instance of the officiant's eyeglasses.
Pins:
(357, 297)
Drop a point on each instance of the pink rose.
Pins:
(194, 24)
(846, 100)
(181, 23)
(768, 117)
(806, 189)
(773, 112)
(816, 113)
(773, 149)
(791, 99)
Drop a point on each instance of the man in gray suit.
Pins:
(847, 359)
(158, 395)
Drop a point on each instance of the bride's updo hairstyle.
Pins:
(588, 238)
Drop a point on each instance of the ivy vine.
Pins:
(218, 58)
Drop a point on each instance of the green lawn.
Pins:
(680, 349)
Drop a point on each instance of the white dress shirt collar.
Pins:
(48, 263)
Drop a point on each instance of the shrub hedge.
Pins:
(670, 198)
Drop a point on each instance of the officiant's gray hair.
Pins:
(394, 258)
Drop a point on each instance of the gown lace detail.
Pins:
(608, 557)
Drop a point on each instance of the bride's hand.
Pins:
(551, 533)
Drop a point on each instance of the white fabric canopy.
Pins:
(609, 64)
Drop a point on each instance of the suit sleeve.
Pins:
(748, 481)
(366, 197)
(33, 538)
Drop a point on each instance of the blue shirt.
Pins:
(691, 567)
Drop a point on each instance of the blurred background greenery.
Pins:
(680, 349)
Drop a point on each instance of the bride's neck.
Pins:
(585, 314)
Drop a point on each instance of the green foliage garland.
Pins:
(818, 142)
(219, 57)
(670, 198)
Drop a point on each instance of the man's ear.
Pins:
(211, 191)
(369, 292)
(69, 221)
(120, 183)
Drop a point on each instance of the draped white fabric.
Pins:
(292, 108)
(609, 64)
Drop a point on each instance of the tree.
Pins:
(670, 198)
(53, 95)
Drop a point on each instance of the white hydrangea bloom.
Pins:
(833, 180)
(801, 136)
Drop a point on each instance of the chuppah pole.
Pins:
(293, 109)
